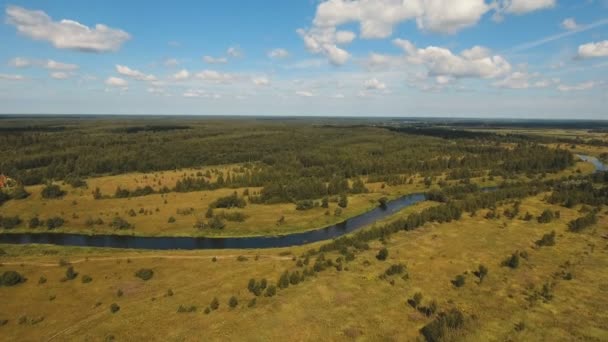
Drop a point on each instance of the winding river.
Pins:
(190, 243)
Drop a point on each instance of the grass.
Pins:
(355, 303)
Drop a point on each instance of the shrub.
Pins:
(325, 202)
(343, 201)
(512, 261)
(547, 240)
(169, 293)
(119, 293)
(395, 269)
(11, 222)
(215, 304)
(382, 254)
(209, 213)
(440, 326)
(230, 201)
(11, 278)
(481, 273)
(459, 281)
(305, 205)
(252, 303)
(34, 222)
(171, 219)
(582, 222)
(144, 274)
(120, 223)
(428, 310)
(52, 191)
(234, 217)
(415, 300)
(207, 310)
(546, 217)
(241, 258)
(283, 280)
(70, 273)
(271, 291)
(41, 280)
(233, 302)
(114, 308)
(86, 279)
(54, 222)
(216, 223)
(183, 309)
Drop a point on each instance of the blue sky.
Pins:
(466, 58)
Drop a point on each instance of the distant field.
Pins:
(353, 303)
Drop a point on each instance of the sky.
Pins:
(405, 58)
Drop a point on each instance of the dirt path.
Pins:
(138, 257)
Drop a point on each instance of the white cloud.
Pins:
(135, 74)
(374, 84)
(171, 62)
(181, 75)
(449, 16)
(590, 50)
(65, 34)
(153, 90)
(525, 6)
(337, 96)
(580, 86)
(278, 53)
(196, 93)
(8, 77)
(304, 93)
(215, 76)
(261, 81)
(234, 51)
(116, 82)
(60, 75)
(473, 63)
(213, 60)
(569, 24)
(20, 62)
(324, 41)
(525, 80)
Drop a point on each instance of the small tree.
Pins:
(70, 273)
(271, 291)
(458, 281)
(512, 261)
(343, 201)
(233, 302)
(481, 273)
(52, 191)
(382, 254)
(215, 304)
(144, 274)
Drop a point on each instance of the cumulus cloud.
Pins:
(476, 62)
(324, 41)
(524, 80)
(65, 34)
(116, 82)
(569, 24)
(591, 50)
(213, 60)
(260, 81)
(135, 74)
(8, 77)
(579, 86)
(181, 75)
(374, 84)
(278, 53)
(21, 62)
(215, 76)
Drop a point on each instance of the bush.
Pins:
(216, 223)
(119, 293)
(229, 202)
(271, 291)
(207, 310)
(416, 300)
(215, 304)
(52, 191)
(512, 261)
(114, 308)
(120, 223)
(305, 205)
(233, 302)
(444, 323)
(144, 274)
(481, 273)
(547, 240)
(252, 303)
(395, 269)
(7, 222)
(546, 217)
(234, 217)
(42, 280)
(171, 219)
(183, 309)
(86, 279)
(34, 222)
(582, 222)
(54, 222)
(11, 278)
(343, 201)
(382, 254)
(70, 274)
(459, 281)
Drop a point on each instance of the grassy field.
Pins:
(352, 304)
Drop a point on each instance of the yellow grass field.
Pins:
(351, 304)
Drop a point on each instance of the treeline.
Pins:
(287, 153)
